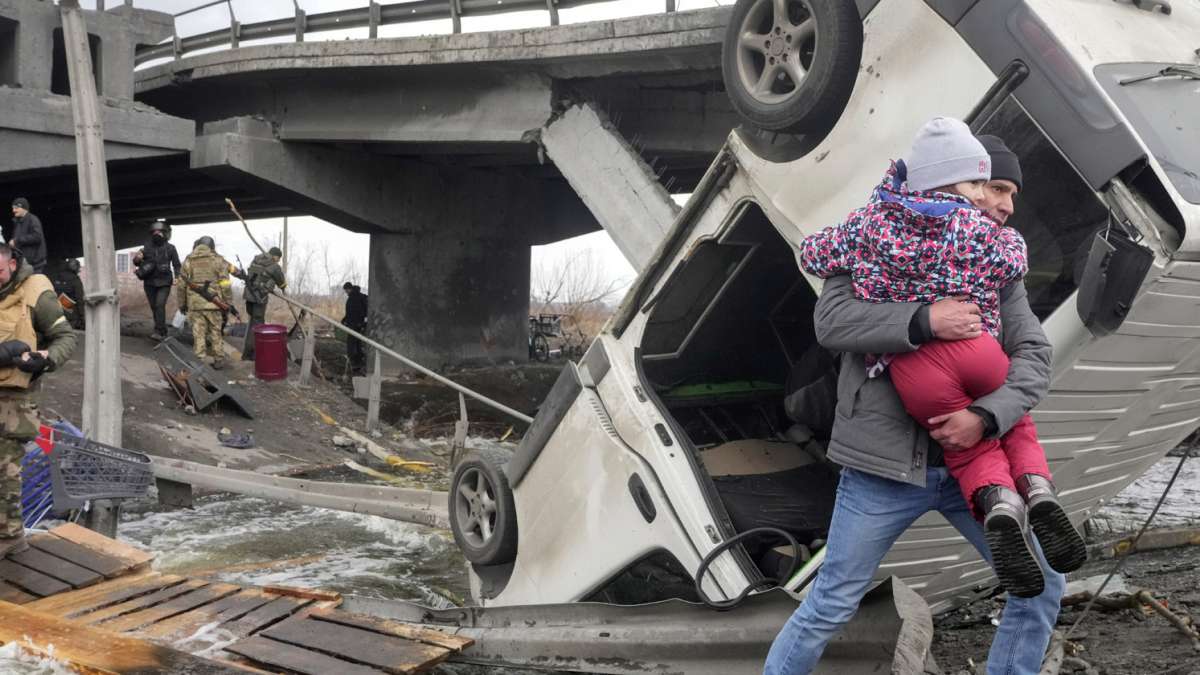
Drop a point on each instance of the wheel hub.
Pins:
(777, 46)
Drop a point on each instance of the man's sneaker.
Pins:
(1004, 527)
(10, 545)
(1064, 547)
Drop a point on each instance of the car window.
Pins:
(1056, 211)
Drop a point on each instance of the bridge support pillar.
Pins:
(450, 297)
(618, 187)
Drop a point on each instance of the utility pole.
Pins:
(102, 404)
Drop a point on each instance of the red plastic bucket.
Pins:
(270, 352)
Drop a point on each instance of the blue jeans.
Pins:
(869, 515)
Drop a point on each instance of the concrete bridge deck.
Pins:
(456, 153)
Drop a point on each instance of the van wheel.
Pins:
(790, 65)
(483, 517)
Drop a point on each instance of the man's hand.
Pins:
(34, 362)
(954, 319)
(957, 431)
(11, 351)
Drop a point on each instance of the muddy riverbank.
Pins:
(1125, 642)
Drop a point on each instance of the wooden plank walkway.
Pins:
(74, 590)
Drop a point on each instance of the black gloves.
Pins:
(11, 351)
(34, 364)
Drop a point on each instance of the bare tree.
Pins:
(576, 287)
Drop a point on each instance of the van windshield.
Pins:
(1165, 112)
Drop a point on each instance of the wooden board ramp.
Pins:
(74, 589)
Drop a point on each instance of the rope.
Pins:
(1133, 545)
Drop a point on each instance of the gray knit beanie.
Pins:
(945, 152)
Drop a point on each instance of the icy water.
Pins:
(257, 542)
(1129, 509)
(252, 541)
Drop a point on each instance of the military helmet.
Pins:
(207, 241)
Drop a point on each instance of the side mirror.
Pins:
(1115, 269)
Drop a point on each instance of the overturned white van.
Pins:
(669, 437)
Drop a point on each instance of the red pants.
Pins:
(947, 376)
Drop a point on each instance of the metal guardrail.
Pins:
(371, 17)
(424, 507)
(309, 348)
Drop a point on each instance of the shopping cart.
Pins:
(62, 472)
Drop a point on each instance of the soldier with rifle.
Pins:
(263, 275)
(207, 296)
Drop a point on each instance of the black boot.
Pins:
(1064, 547)
(1004, 526)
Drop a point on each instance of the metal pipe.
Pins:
(424, 507)
(197, 8)
(409, 362)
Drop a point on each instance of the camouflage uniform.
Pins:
(30, 312)
(263, 275)
(201, 267)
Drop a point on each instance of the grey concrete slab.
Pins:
(618, 187)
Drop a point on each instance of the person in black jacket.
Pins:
(157, 265)
(355, 319)
(27, 235)
(65, 277)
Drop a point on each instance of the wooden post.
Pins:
(373, 398)
(310, 348)
(102, 404)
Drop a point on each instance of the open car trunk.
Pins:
(728, 339)
(730, 352)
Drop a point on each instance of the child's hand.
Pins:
(955, 319)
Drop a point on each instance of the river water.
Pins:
(252, 541)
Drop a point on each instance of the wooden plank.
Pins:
(93, 650)
(309, 593)
(10, 593)
(232, 607)
(166, 610)
(105, 594)
(30, 580)
(137, 603)
(295, 659)
(132, 558)
(395, 655)
(54, 566)
(273, 611)
(396, 628)
(84, 557)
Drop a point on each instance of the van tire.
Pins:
(483, 516)
(829, 38)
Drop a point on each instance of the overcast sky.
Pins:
(348, 248)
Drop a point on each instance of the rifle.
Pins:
(205, 292)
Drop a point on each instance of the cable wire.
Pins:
(1133, 545)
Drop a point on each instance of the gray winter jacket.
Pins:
(871, 430)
